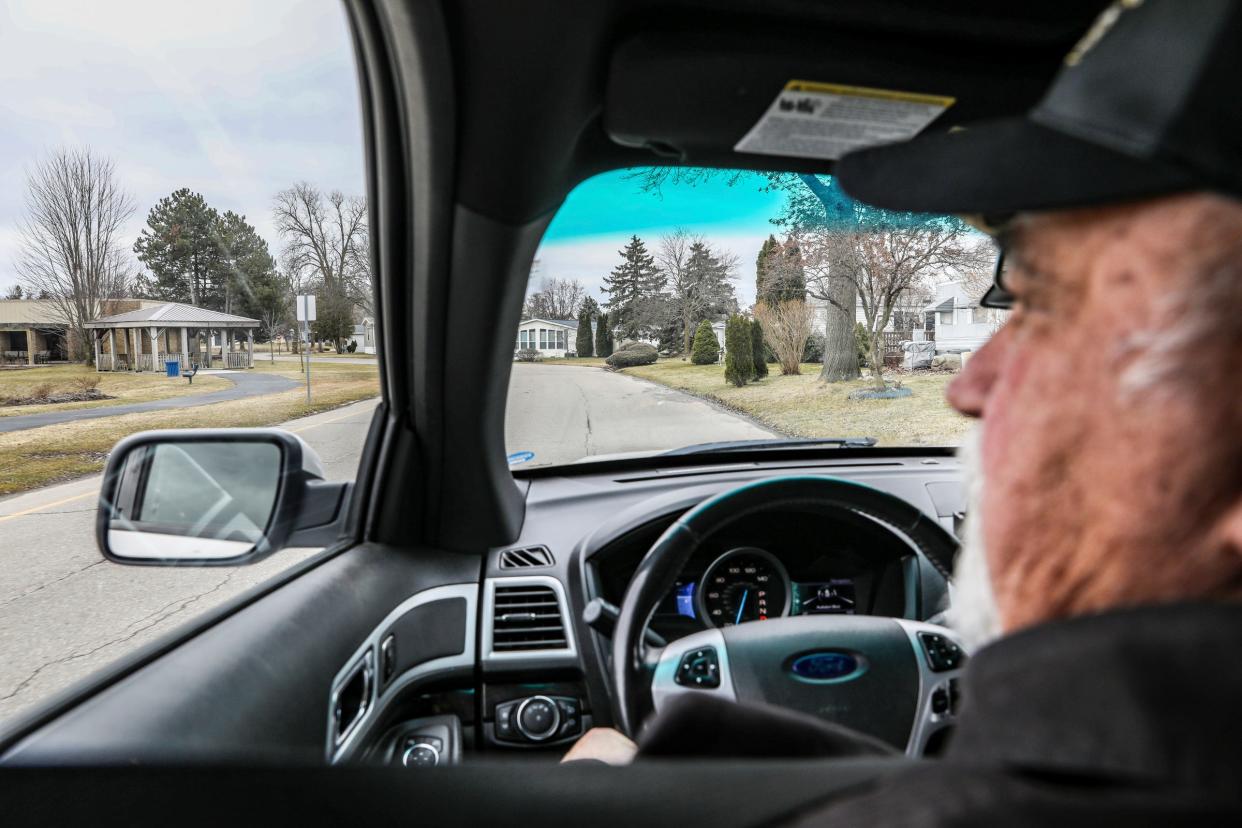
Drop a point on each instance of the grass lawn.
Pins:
(125, 387)
(801, 406)
(41, 456)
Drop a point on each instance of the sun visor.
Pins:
(692, 97)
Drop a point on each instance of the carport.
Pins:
(144, 339)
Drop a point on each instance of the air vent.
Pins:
(527, 618)
(525, 557)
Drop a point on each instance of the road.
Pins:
(65, 611)
(563, 413)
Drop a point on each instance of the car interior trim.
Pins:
(380, 695)
(565, 655)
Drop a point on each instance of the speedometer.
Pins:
(744, 584)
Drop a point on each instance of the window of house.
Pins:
(543, 339)
(946, 317)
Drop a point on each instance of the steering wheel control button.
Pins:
(699, 668)
(940, 701)
(537, 718)
(942, 654)
(420, 755)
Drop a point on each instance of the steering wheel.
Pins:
(891, 678)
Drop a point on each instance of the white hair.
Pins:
(973, 614)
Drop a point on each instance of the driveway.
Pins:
(563, 413)
(65, 611)
(245, 384)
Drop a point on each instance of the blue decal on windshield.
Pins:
(520, 457)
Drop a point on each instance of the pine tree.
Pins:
(583, 343)
(706, 350)
(631, 284)
(761, 266)
(780, 276)
(758, 349)
(248, 270)
(603, 336)
(739, 353)
(178, 246)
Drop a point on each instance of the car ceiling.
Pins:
(550, 92)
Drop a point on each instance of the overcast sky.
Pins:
(235, 99)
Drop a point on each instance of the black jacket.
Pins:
(1127, 718)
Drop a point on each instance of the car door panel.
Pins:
(258, 682)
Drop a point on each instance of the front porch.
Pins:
(146, 339)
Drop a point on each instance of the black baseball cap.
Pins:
(1146, 104)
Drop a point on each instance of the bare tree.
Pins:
(70, 250)
(555, 299)
(786, 327)
(326, 240)
(698, 279)
(882, 265)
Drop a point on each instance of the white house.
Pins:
(961, 324)
(363, 337)
(550, 337)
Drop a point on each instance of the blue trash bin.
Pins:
(173, 367)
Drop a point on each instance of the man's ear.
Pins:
(1229, 530)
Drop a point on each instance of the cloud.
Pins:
(233, 99)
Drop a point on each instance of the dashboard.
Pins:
(771, 565)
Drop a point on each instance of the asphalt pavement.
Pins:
(562, 413)
(65, 611)
(245, 384)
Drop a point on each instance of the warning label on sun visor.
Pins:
(825, 120)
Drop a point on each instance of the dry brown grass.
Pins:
(124, 388)
(40, 456)
(801, 406)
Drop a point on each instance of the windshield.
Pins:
(695, 309)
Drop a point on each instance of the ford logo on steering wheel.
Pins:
(829, 666)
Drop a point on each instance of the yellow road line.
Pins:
(34, 509)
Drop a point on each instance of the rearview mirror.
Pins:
(214, 497)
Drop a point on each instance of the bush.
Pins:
(758, 349)
(87, 384)
(351, 347)
(529, 355)
(631, 354)
(705, 350)
(814, 350)
(739, 356)
(860, 343)
(603, 336)
(41, 391)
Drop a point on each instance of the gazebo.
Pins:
(144, 339)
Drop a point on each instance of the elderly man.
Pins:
(1105, 550)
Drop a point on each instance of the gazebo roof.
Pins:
(173, 314)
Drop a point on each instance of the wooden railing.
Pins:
(165, 356)
(237, 359)
(145, 362)
(105, 362)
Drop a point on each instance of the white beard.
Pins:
(973, 613)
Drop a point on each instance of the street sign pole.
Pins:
(306, 315)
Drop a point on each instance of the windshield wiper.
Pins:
(772, 445)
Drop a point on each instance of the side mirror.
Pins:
(214, 497)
